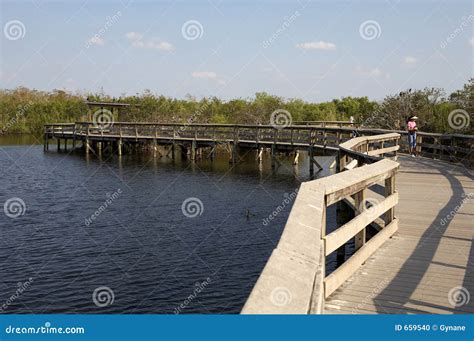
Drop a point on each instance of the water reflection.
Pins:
(141, 245)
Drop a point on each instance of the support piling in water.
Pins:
(155, 148)
(193, 150)
(260, 154)
(297, 155)
(87, 146)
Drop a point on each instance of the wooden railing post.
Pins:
(359, 199)
(389, 190)
(235, 144)
(46, 138)
(419, 141)
(341, 161)
(319, 291)
(87, 138)
(395, 153)
(74, 136)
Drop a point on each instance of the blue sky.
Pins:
(314, 50)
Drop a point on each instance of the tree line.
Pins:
(23, 110)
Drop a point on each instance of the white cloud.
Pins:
(136, 39)
(410, 60)
(96, 40)
(376, 73)
(164, 45)
(211, 75)
(204, 74)
(471, 41)
(134, 36)
(316, 45)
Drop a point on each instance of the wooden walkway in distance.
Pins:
(430, 256)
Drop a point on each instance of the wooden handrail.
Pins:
(296, 268)
(452, 147)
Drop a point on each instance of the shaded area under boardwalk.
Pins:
(430, 258)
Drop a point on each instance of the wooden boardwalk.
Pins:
(419, 261)
(432, 254)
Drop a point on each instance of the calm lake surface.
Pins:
(138, 244)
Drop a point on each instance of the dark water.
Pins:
(140, 245)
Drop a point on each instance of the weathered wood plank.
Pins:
(344, 184)
(337, 238)
(383, 150)
(284, 287)
(339, 276)
(426, 259)
(299, 254)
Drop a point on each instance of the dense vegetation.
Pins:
(25, 111)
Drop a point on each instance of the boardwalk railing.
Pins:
(339, 124)
(301, 136)
(367, 149)
(451, 147)
(294, 279)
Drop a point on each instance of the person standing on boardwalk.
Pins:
(412, 128)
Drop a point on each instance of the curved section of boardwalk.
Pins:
(427, 208)
(430, 258)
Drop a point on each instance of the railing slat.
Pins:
(337, 238)
(384, 150)
(344, 184)
(341, 274)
